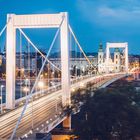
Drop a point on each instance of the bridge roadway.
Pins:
(46, 112)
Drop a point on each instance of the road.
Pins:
(43, 111)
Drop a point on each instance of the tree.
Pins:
(109, 115)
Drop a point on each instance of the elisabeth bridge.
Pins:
(43, 106)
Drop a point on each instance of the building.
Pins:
(79, 65)
(114, 64)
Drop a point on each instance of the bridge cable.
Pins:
(3, 29)
(81, 48)
(79, 45)
(31, 93)
(39, 50)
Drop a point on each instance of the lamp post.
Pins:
(1, 98)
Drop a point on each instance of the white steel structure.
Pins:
(117, 45)
(36, 21)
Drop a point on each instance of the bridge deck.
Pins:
(47, 110)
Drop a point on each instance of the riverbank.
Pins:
(112, 113)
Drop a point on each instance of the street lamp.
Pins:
(1, 97)
(40, 84)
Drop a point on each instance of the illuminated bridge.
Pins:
(47, 94)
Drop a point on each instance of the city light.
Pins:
(31, 132)
(26, 136)
(22, 70)
(82, 85)
(26, 89)
(40, 84)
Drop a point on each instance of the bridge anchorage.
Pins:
(48, 92)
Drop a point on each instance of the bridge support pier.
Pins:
(67, 123)
(65, 133)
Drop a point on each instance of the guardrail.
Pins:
(58, 87)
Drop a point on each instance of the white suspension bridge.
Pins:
(42, 109)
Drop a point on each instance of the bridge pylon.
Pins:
(59, 20)
(117, 45)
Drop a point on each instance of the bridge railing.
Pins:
(55, 88)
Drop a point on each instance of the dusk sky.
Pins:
(92, 20)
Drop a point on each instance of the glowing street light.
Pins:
(73, 90)
(26, 89)
(40, 84)
(26, 80)
(82, 85)
(22, 70)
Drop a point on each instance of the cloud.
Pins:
(111, 13)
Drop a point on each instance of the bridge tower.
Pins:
(117, 45)
(59, 20)
(100, 58)
(117, 60)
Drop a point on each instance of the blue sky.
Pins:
(92, 20)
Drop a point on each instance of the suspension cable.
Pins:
(38, 49)
(79, 45)
(3, 29)
(81, 48)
